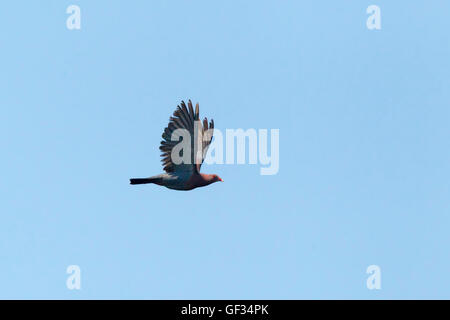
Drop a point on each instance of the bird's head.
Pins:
(209, 178)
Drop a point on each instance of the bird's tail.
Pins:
(143, 180)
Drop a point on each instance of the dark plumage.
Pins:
(184, 176)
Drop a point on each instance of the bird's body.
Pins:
(184, 176)
(177, 181)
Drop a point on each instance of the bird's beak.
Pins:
(221, 180)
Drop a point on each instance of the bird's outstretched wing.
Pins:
(185, 118)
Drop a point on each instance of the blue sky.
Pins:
(364, 149)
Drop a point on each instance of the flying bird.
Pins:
(184, 176)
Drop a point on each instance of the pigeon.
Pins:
(186, 174)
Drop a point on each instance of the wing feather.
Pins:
(184, 117)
